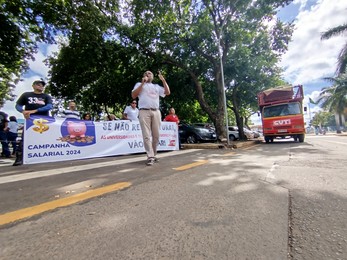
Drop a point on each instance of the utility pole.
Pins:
(224, 95)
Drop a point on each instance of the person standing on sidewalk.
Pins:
(13, 133)
(32, 103)
(149, 113)
(131, 112)
(172, 117)
(3, 135)
(71, 111)
(86, 116)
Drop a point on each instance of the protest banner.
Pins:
(48, 139)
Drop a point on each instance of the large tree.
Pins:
(94, 66)
(323, 119)
(342, 59)
(334, 99)
(108, 50)
(25, 23)
(190, 35)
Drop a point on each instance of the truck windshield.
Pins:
(282, 110)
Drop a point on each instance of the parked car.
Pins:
(248, 133)
(204, 125)
(233, 133)
(256, 134)
(192, 134)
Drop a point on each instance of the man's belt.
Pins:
(153, 109)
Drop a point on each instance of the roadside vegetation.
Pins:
(334, 98)
(105, 46)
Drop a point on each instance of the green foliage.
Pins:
(323, 118)
(187, 35)
(23, 24)
(342, 59)
(334, 98)
(109, 47)
(190, 113)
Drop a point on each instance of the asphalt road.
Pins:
(268, 201)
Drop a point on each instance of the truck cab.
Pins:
(282, 113)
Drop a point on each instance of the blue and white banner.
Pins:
(48, 139)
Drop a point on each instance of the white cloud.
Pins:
(309, 59)
(38, 66)
(302, 3)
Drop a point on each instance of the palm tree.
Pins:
(334, 98)
(342, 59)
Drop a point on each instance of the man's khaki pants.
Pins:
(150, 124)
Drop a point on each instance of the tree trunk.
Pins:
(338, 122)
(238, 117)
(217, 117)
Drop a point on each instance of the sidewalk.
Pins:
(232, 145)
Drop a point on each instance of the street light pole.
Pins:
(224, 95)
(218, 37)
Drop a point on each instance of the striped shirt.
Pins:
(67, 113)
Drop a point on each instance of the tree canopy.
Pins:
(342, 59)
(108, 47)
(193, 35)
(334, 98)
(24, 24)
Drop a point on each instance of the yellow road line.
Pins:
(191, 165)
(249, 147)
(31, 211)
(227, 154)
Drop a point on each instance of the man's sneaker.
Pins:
(150, 161)
(156, 159)
(17, 163)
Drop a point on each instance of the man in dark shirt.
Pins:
(3, 135)
(32, 103)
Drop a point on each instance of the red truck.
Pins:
(282, 112)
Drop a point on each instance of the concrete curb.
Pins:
(233, 145)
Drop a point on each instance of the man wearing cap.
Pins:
(32, 103)
(149, 114)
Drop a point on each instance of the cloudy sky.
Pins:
(307, 62)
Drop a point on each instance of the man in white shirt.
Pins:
(131, 112)
(149, 114)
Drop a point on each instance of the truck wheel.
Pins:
(267, 139)
(301, 138)
(295, 138)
